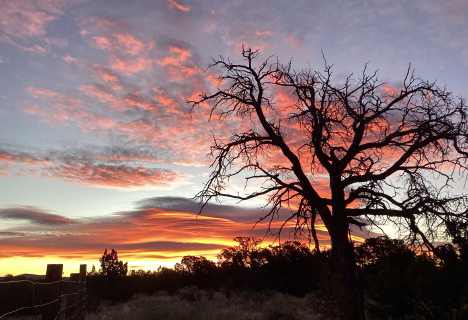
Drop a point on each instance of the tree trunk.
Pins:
(343, 257)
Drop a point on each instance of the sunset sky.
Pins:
(98, 148)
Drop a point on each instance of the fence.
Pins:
(53, 299)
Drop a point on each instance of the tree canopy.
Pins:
(111, 266)
(358, 151)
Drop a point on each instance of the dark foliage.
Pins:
(398, 281)
(111, 266)
(403, 284)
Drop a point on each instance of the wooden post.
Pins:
(75, 277)
(83, 272)
(53, 274)
(73, 297)
(82, 313)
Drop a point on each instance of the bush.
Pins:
(241, 306)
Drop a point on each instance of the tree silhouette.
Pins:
(247, 254)
(111, 266)
(383, 154)
(194, 265)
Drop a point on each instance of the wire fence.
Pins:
(58, 300)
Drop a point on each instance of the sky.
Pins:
(98, 148)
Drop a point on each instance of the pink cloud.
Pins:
(21, 19)
(59, 42)
(58, 99)
(102, 43)
(294, 41)
(4, 169)
(91, 121)
(25, 20)
(164, 99)
(140, 101)
(109, 76)
(132, 44)
(69, 59)
(209, 27)
(263, 33)
(116, 177)
(173, 4)
(108, 98)
(129, 66)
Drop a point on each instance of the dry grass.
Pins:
(193, 304)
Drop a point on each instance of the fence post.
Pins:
(83, 272)
(53, 274)
(83, 296)
(76, 277)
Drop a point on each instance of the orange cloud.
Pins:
(182, 52)
(173, 4)
(160, 228)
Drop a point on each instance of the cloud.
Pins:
(4, 169)
(102, 43)
(124, 168)
(58, 100)
(131, 66)
(23, 19)
(295, 42)
(158, 228)
(127, 54)
(173, 4)
(131, 44)
(180, 204)
(34, 215)
(118, 177)
(23, 22)
(22, 157)
(182, 56)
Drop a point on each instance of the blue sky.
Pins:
(93, 119)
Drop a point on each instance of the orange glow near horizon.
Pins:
(18, 258)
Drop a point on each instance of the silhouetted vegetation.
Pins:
(193, 304)
(360, 134)
(111, 266)
(399, 282)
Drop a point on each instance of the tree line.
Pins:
(398, 281)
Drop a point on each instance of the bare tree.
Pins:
(389, 155)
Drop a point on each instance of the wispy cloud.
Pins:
(173, 4)
(164, 228)
(119, 177)
(24, 24)
(34, 215)
(119, 171)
